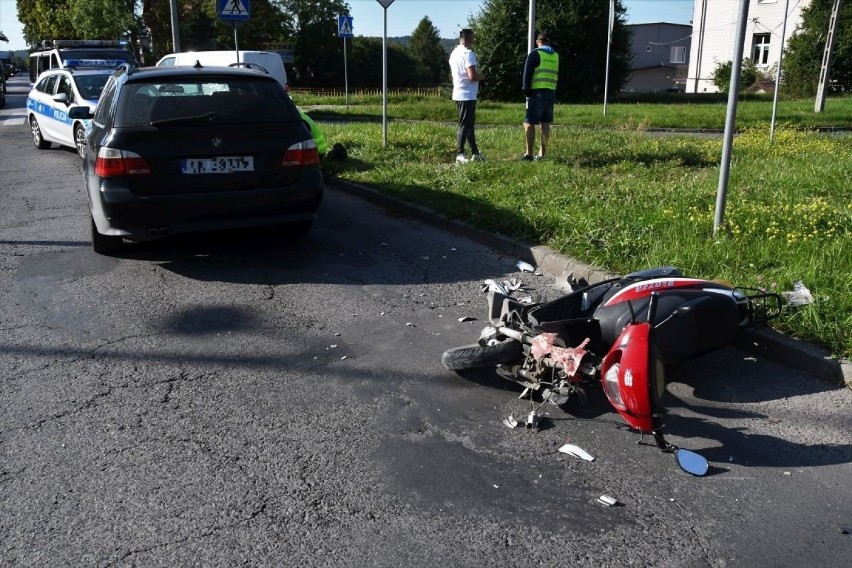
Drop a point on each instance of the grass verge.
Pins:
(753, 111)
(625, 200)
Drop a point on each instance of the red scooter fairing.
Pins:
(633, 377)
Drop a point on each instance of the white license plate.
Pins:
(220, 165)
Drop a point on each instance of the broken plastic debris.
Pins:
(568, 357)
(491, 285)
(344, 357)
(466, 318)
(799, 296)
(510, 421)
(409, 324)
(607, 500)
(524, 266)
(513, 284)
(576, 451)
(532, 420)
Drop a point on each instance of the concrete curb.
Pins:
(765, 342)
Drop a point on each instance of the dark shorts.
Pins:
(540, 106)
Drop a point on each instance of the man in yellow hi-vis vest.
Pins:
(541, 72)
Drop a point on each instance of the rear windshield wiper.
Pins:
(207, 117)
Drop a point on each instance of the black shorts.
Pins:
(540, 106)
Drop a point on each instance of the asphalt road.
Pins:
(234, 399)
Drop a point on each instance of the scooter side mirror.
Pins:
(691, 462)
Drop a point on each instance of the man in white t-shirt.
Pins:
(466, 80)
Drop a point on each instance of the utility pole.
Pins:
(778, 73)
(825, 70)
(175, 34)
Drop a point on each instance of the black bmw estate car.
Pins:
(187, 149)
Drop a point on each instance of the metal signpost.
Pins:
(233, 13)
(344, 30)
(610, 27)
(385, 4)
(730, 120)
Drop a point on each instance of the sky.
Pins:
(448, 16)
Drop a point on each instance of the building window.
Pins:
(760, 49)
(678, 54)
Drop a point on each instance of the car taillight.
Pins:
(301, 154)
(112, 162)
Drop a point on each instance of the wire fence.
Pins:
(336, 92)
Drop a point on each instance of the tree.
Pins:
(365, 64)
(102, 19)
(803, 60)
(318, 50)
(3, 37)
(46, 19)
(200, 29)
(579, 30)
(428, 54)
(749, 75)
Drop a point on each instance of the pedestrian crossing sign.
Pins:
(233, 10)
(344, 26)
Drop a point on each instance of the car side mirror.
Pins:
(80, 112)
(61, 98)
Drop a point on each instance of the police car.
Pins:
(56, 91)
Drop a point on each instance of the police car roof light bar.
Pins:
(58, 43)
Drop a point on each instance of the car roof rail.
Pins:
(124, 68)
(248, 65)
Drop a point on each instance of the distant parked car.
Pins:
(56, 91)
(2, 92)
(187, 149)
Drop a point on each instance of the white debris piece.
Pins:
(466, 318)
(607, 500)
(576, 451)
(524, 266)
(799, 296)
(513, 284)
(491, 285)
(511, 422)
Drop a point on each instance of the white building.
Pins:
(714, 36)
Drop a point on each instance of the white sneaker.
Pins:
(478, 157)
(461, 159)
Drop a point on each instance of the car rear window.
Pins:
(209, 99)
(90, 86)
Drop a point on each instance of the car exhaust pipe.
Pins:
(154, 232)
(165, 231)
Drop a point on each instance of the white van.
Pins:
(270, 62)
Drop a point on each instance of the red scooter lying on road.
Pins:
(625, 333)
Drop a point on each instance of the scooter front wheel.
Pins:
(476, 355)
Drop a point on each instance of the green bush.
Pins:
(749, 75)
